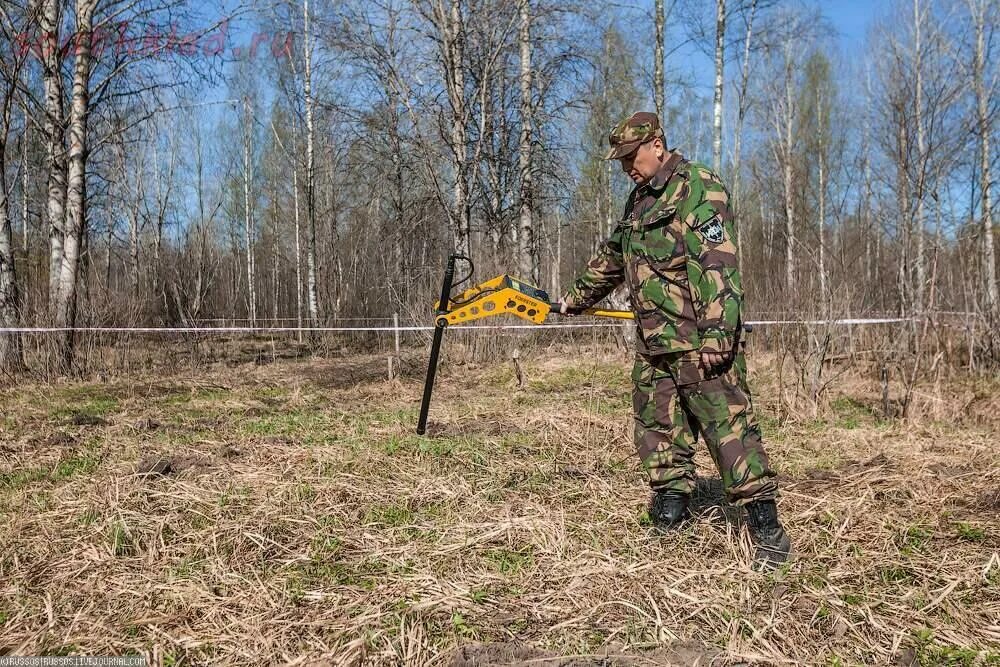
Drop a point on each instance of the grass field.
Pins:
(302, 521)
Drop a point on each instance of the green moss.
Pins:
(930, 654)
(67, 467)
(574, 378)
(850, 413)
(310, 426)
(16, 479)
(461, 626)
(184, 397)
(508, 561)
(325, 547)
(302, 493)
(85, 404)
(970, 533)
(913, 539)
(894, 574)
(389, 516)
(89, 517)
(328, 574)
(75, 465)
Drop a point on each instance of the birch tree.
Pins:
(11, 354)
(249, 222)
(658, 55)
(720, 69)
(51, 56)
(312, 288)
(984, 86)
(741, 112)
(528, 256)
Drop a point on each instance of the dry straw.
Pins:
(296, 519)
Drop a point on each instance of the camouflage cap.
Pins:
(631, 133)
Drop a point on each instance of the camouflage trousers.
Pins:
(673, 402)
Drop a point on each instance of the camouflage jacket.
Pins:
(674, 249)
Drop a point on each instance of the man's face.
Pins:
(643, 164)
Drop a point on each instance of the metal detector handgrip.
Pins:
(439, 327)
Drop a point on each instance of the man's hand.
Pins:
(566, 307)
(713, 363)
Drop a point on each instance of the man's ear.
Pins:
(658, 147)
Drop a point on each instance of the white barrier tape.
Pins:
(286, 329)
(844, 322)
(584, 325)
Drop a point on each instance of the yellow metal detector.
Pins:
(503, 295)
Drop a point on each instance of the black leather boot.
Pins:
(772, 543)
(669, 509)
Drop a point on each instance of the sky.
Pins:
(850, 19)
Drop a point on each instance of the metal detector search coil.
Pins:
(503, 295)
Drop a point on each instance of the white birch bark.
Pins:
(978, 9)
(784, 124)
(821, 223)
(11, 357)
(76, 182)
(658, 95)
(248, 214)
(312, 287)
(720, 64)
(918, 222)
(528, 258)
(25, 179)
(455, 79)
(50, 19)
(741, 112)
(298, 226)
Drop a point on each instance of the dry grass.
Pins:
(303, 522)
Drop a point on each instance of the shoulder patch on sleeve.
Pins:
(713, 231)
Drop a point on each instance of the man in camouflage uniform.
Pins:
(675, 249)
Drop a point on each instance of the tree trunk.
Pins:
(248, 214)
(741, 112)
(658, 96)
(398, 197)
(313, 290)
(788, 174)
(557, 267)
(450, 25)
(720, 63)
(76, 184)
(11, 356)
(458, 129)
(25, 182)
(50, 21)
(821, 223)
(528, 259)
(978, 10)
(298, 227)
(903, 186)
(918, 222)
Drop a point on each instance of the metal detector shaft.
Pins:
(599, 312)
(439, 327)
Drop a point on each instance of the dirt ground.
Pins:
(286, 513)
